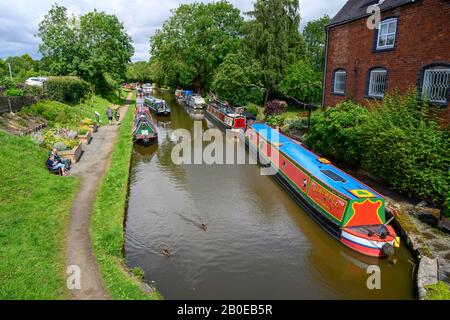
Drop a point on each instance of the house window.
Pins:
(377, 82)
(340, 77)
(386, 34)
(436, 82)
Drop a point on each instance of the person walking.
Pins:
(110, 115)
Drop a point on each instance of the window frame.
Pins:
(434, 67)
(335, 73)
(378, 35)
(369, 92)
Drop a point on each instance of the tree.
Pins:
(195, 41)
(238, 80)
(302, 82)
(315, 38)
(138, 71)
(273, 39)
(94, 46)
(3, 69)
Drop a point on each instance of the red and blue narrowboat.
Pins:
(225, 116)
(348, 209)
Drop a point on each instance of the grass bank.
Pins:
(439, 291)
(108, 220)
(35, 209)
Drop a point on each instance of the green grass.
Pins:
(35, 209)
(293, 113)
(108, 221)
(439, 291)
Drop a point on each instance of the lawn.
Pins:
(34, 212)
(108, 220)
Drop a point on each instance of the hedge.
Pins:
(396, 141)
(67, 89)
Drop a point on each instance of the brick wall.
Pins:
(423, 38)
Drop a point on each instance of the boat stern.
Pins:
(375, 241)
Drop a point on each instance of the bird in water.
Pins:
(204, 227)
(166, 252)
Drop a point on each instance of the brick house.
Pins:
(409, 47)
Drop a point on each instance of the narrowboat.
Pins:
(225, 116)
(348, 209)
(144, 129)
(158, 106)
(196, 101)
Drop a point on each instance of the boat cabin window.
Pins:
(333, 176)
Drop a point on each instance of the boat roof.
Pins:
(328, 173)
(155, 100)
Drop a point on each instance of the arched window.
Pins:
(377, 82)
(339, 81)
(436, 83)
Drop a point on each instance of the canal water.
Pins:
(258, 244)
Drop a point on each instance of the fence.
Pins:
(15, 104)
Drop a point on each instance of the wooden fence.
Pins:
(15, 104)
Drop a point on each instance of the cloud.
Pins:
(19, 19)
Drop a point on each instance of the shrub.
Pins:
(396, 142)
(14, 93)
(67, 89)
(55, 113)
(275, 107)
(337, 132)
(34, 90)
(253, 109)
(275, 121)
(295, 125)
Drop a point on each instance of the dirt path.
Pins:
(91, 169)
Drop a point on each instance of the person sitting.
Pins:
(56, 167)
(66, 162)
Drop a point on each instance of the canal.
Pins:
(258, 244)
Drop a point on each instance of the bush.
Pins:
(396, 142)
(14, 93)
(34, 90)
(275, 107)
(253, 109)
(67, 89)
(275, 121)
(338, 132)
(56, 113)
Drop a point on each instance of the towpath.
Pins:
(90, 169)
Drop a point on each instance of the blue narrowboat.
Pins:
(348, 209)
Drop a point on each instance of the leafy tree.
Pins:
(238, 80)
(3, 68)
(315, 38)
(94, 46)
(195, 41)
(139, 71)
(302, 82)
(273, 39)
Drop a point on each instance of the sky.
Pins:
(19, 19)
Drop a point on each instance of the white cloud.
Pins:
(19, 19)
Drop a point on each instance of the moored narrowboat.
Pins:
(225, 116)
(144, 129)
(158, 106)
(349, 210)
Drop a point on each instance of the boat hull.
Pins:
(373, 245)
